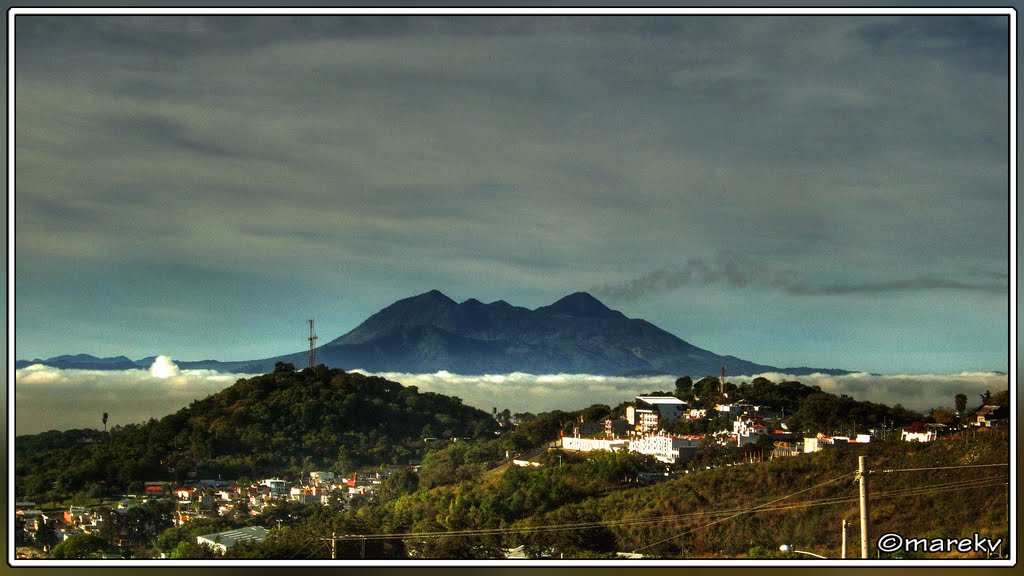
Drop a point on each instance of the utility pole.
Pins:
(844, 539)
(862, 474)
(334, 545)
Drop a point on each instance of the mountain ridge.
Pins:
(431, 332)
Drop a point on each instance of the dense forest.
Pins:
(283, 423)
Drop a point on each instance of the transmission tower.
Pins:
(312, 345)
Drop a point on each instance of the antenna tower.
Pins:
(312, 345)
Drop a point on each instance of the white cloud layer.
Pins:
(49, 398)
(520, 392)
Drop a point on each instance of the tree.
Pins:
(986, 398)
(399, 482)
(1001, 398)
(708, 390)
(192, 549)
(942, 416)
(80, 546)
(961, 405)
(684, 387)
(46, 536)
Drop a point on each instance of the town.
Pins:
(736, 432)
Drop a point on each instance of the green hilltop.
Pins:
(283, 423)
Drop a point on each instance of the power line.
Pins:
(939, 468)
(728, 514)
(746, 511)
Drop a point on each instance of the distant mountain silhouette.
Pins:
(576, 335)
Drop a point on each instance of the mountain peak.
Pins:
(580, 304)
(432, 298)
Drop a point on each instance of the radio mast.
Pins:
(312, 345)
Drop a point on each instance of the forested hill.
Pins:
(281, 423)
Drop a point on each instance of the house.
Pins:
(823, 442)
(517, 553)
(185, 494)
(696, 414)
(748, 430)
(989, 415)
(155, 491)
(321, 477)
(918, 436)
(615, 427)
(224, 541)
(277, 486)
(784, 444)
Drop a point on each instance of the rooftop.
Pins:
(661, 400)
(232, 537)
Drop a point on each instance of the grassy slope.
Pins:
(898, 500)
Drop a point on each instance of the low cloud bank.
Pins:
(49, 398)
(521, 392)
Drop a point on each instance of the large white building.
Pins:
(649, 414)
(667, 448)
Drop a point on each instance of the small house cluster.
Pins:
(194, 500)
(642, 430)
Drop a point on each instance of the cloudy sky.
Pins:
(827, 190)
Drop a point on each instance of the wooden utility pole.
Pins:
(862, 473)
(334, 545)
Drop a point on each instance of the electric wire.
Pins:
(745, 511)
(938, 468)
(722, 515)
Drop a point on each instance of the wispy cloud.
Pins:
(739, 271)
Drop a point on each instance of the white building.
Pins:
(649, 414)
(922, 436)
(224, 541)
(748, 430)
(277, 486)
(321, 477)
(822, 442)
(667, 448)
(588, 444)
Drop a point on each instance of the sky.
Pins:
(828, 191)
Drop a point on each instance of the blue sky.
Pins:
(827, 190)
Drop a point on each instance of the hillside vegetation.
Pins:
(282, 423)
(587, 508)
